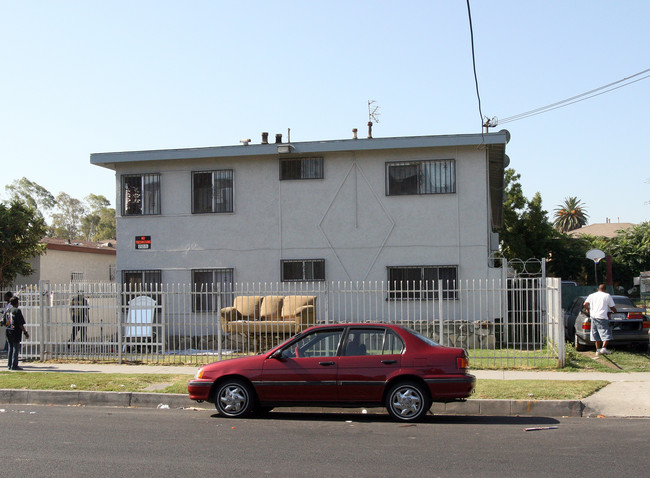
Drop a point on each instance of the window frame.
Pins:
(146, 278)
(429, 276)
(217, 193)
(306, 264)
(219, 275)
(148, 204)
(428, 174)
(311, 167)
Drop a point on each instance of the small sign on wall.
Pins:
(143, 242)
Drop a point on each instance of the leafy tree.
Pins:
(526, 232)
(32, 194)
(570, 215)
(99, 222)
(66, 221)
(21, 229)
(630, 252)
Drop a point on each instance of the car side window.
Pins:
(320, 343)
(372, 342)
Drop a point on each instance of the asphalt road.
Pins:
(100, 441)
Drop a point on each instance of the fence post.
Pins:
(120, 300)
(43, 287)
(218, 318)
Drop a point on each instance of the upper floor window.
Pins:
(140, 194)
(303, 270)
(421, 177)
(212, 191)
(422, 282)
(301, 168)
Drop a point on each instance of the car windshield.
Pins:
(424, 338)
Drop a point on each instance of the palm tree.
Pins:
(570, 215)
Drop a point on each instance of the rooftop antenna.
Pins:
(372, 116)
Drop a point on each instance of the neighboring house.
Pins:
(383, 209)
(64, 262)
(608, 229)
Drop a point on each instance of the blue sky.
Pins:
(85, 77)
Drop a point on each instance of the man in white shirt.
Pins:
(598, 306)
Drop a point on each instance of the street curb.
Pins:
(523, 408)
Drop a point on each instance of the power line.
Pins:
(471, 33)
(578, 98)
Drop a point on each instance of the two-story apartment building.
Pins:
(383, 209)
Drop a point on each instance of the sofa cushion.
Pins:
(248, 306)
(293, 302)
(271, 307)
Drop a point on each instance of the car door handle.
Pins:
(325, 364)
(388, 362)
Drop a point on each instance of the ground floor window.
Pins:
(206, 283)
(303, 270)
(137, 280)
(422, 282)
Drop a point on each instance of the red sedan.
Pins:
(342, 365)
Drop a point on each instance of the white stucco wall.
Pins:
(345, 218)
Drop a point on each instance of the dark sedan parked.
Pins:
(343, 365)
(629, 324)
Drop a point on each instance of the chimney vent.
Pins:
(265, 138)
(354, 133)
(278, 138)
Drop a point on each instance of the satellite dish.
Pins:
(595, 255)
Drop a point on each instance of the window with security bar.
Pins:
(140, 194)
(301, 168)
(421, 282)
(303, 270)
(205, 283)
(421, 177)
(212, 191)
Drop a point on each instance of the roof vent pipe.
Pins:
(354, 133)
(369, 129)
(278, 138)
(265, 138)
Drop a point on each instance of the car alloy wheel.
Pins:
(234, 399)
(408, 402)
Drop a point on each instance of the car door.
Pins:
(304, 371)
(369, 356)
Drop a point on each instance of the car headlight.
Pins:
(199, 373)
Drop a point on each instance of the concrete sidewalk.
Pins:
(626, 396)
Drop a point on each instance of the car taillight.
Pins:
(586, 325)
(646, 324)
(634, 315)
(462, 363)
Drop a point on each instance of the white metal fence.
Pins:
(501, 323)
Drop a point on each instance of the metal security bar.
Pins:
(501, 323)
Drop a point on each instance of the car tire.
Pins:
(234, 399)
(580, 347)
(408, 402)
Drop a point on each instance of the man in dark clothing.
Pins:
(15, 323)
(79, 315)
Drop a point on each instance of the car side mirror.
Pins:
(277, 355)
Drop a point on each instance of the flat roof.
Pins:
(109, 160)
